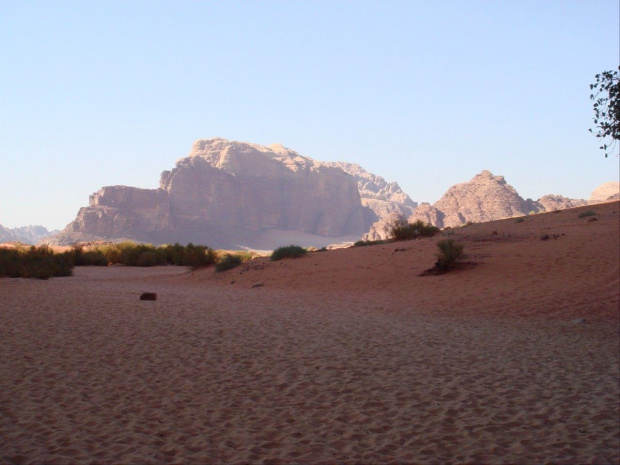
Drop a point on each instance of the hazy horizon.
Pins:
(426, 95)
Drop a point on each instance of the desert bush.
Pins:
(132, 254)
(198, 256)
(34, 262)
(402, 231)
(245, 255)
(367, 243)
(520, 220)
(290, 251)
(587, 213)
(228, 262)
(450, 252)
(88, 258)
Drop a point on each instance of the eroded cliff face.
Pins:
(222, 195)
(606, 192)
(120, 212)
(486, 197)
(386, 200)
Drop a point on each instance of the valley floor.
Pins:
(346, 356)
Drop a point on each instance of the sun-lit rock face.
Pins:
(605, 192)
(486, 197)
(386, 200)
(24, 234)
(223, 193)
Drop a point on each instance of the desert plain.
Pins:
(345, 356)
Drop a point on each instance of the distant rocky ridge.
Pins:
(485, 197)
(227, 194)
(25, 234)
(387, 200)
(606, 192)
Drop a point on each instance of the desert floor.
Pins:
(345, 356)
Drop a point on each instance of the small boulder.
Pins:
(579, 321)
(148, 296)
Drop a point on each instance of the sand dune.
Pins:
(346, 356)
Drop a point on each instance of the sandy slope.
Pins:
(347, 356)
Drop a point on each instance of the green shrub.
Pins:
(228, 262)
(34, 262)
(132, 254)
(90, 258)
(402, 231)
(587, 213)
(450, 252)
(290, 251)
(367, 243)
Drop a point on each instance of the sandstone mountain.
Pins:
(7, 235)
(387, 200)
(606, 192)
(24, 234)
(486, 197)
(229, 194)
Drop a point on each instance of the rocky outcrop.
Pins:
(549, 203)
(385, 199)
(605, 192)
(224, 194)
(486, 197)
(24, 234)
(7, 235)
(230, 194)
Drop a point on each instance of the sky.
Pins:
(424, 93)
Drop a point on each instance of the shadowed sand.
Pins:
(347, 356)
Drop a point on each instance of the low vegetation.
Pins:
(587, 213)
(366, 243)
(401, 230)
(144, 255)
(34, 262)
(228, 262)
(43, 263)
(450, 252)
(290, 251)
(520, 220)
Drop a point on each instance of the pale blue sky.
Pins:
(425, 93)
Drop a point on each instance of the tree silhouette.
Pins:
(606, 98)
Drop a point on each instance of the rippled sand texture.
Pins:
(340, 357)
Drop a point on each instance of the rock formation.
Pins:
(387, 200)
(549, 203)
(225, 194)
(24, 234)
(486, 197)
(228, 194)
(7, 235)
(606, 192)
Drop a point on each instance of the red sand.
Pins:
(347, 356)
